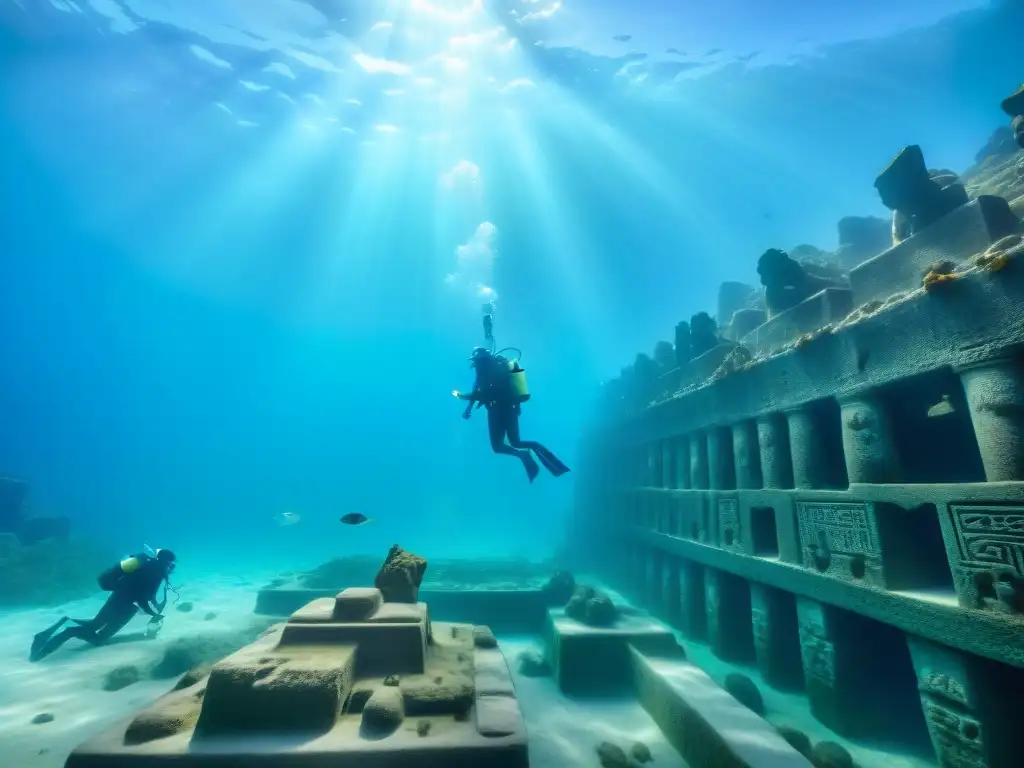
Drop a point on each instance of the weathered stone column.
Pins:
(699, 461)
(810, 468)
(721, 473)
(746, 455)
(653, 479)
(671, 605)
(868, 441)
(730, 634)
(773, 443)
(776, 636)
(692, 612)
(653, 581)
(683, 462)
(969, 707)
(837, 664)
(668, 463)
(995, 398)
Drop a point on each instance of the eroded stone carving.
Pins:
(728, 524)
(839, 533)
(817, 650)
(990, 553)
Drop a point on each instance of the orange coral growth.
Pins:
(933, 279)
(994, 262)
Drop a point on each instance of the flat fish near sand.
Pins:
(354, 518)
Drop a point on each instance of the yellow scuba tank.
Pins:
(130, 565)
(517, 382)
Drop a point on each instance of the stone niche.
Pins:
(346, 681)
(956, 237)
(823, 308)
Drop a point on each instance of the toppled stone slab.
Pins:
(956, 238)
(357, 604)
(703, 722)
(591, 660)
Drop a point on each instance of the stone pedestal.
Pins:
(776, 636)
(746, 454)
(836, 664)
(970, 707)
(773, 444)
(699, 461)
(868, 441)
(668, 464)
(995, 397)
(721, 473)
(727, 600)
(682, 461)
(810, 468)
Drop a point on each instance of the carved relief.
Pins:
(938, 684)
(990, 553)
(818, 652)
(956, 737)
(728, 525)
(762, 630)
(713, 604)
(834, 533)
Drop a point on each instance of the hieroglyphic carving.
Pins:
(817, 650)
(990, 551)
(956, 736)
(828, 528)
(713, 604)
(762, 631)
(728, 524)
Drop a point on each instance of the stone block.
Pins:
(701, 368)
(823, 308)
(357, 604)
(256, 690)
(595, 660)
(985, 545)
(841, 539)
(692, 607)
(958, 236)
(393, 641)
(704, 723)
(776, 636)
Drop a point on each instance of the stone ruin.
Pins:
(842, 502)
(364, 678)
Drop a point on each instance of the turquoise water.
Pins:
(244, 247)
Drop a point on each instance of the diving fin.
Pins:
(532, 470)
(551, 462)
(41, 639)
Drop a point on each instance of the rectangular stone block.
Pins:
(395, 644)
(985, 544)
(357, 603)
(841, 539)
(704, 723)
(670, 605)
(956, 237)
(596, 660)
(823, 308)
(728, 535)
(968, 706)
(257, 690)
(692, 600)
(701, 368)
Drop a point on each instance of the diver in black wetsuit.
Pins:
(495, 388)
(133, 584)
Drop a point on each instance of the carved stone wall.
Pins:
(988, 556)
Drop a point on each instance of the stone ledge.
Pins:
(703, 722)
(828, 306)
(956, 237)
(983, 634)
(977, 318)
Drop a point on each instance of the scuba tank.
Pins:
(517, 386)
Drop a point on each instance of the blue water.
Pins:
(226, 232)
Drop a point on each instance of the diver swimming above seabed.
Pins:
(500, 386)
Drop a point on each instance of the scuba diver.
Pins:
(133, 584)
(500, 385)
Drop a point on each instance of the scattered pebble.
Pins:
(640, 752)
(42, 717)
(423, 727)
(210, 616)
(121, 677)
(185, 607)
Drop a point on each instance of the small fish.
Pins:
(286, 518)
(354, 518)
(941, 408)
